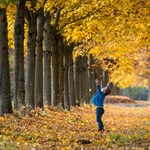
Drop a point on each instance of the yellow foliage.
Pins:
(107, 29)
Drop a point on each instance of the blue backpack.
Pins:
(95, 99)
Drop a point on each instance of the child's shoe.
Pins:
(101, 130)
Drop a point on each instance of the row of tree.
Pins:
(51, 77)
(54, 30)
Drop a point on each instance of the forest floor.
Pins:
(55, 129)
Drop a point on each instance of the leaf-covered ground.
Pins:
(51, 128)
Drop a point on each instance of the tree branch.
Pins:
(57, 19)
(73, 21)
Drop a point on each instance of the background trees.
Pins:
(70, 43)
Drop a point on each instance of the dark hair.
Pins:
(108, 91)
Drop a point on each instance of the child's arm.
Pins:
(108, 84)
(98, 86)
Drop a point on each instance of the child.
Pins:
(98, 100)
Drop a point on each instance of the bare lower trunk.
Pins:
(30, 71)
(47, 62)
(5, 94)
(61, 72)
(76, 80)
(39, 60)
(85, 79)
(105, 78)
(80, 80)
(91, 76)
(115, 91)
(71, 78)
(66, 87)
(100, 75)
(19, 87)
(55, 68)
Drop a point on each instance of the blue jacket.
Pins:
(98, 97)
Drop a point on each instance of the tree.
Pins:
(76, 80)
(115, 30)
(91, 75)
(85, 80)
(47, 61)
(61, 70)
(19, 87)
(31, 46)
(5, 94)
(39, 59)
(71, 76)
(66, 85)
(55, 67)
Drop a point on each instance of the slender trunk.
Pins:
(61, 72)
(66, 88)
(91, 76)
(129, 92)
(39, 60)
(76, 80)
(85, 80)
(105, 78)
(113, 89)
(19, 87)
(30, 71)
(116, 90)
(55, 68)
(5, 94)
(80, 80)
(71, 78)
(47, 61)
(100, 76)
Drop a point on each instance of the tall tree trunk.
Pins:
(5, 94)
(105, 78)
(76, 80)
(19, 87)
(70, 77)
(85, 79)
(55, 68)
(30, 71)
(61, 71)
(66, 87)
(39, 60)
(47, 61)
(100, 76)
(116, 90)
(129, 92)
(80, 80)
(91, 76)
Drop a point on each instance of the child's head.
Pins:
(106, 90)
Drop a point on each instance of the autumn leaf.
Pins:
(60, 129)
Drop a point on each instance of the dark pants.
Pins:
(99, 113)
